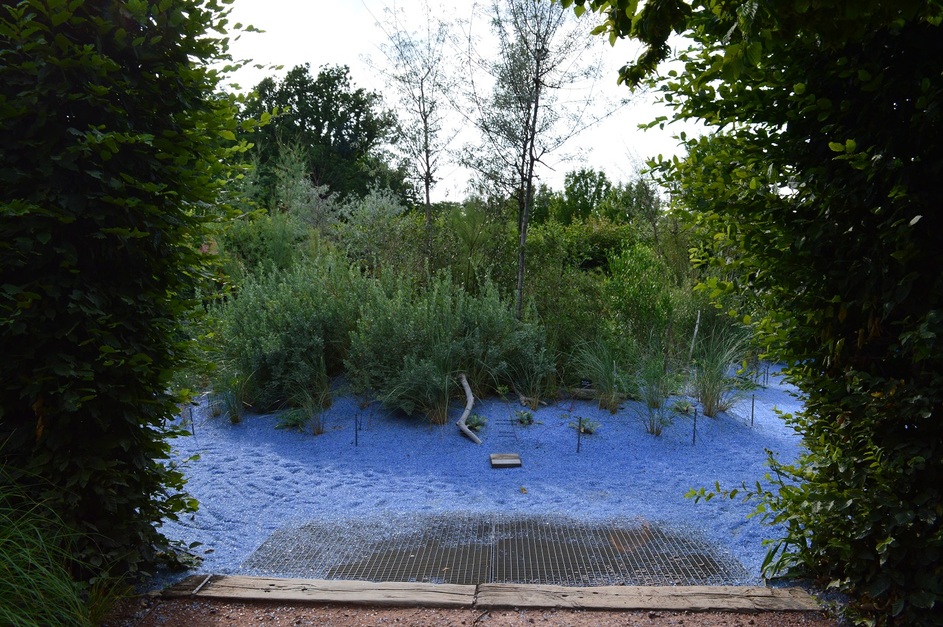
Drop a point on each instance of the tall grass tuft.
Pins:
(715, 355)
(599, 361)
(36, 586)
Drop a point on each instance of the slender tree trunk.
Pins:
(530, 161)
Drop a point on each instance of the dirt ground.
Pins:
(154, 612)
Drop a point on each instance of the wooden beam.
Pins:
(327, 591)
(747, 599)
(673, 598)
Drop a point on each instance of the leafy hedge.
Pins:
(114, 147)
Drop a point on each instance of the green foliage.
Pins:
(295, 419)
(261, 242)
(340, 129)
(567, 299)
(36, 551)
(585, 426)
(717, 355)
(476, 422)
(656, 379)
(524, 418)
(411, 343)
(374, 230)
(115, 145)
(640, 298)
(821, 198)
(600, 362)
(283, 333)
(583, 192)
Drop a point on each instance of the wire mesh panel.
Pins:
(465, 549)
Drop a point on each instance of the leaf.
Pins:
(836, 147)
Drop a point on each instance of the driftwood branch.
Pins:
(469, 403)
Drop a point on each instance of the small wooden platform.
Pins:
(676, 598)
(505, 460)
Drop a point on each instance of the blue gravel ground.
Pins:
(252, 479)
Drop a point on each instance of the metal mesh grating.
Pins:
(495, 549)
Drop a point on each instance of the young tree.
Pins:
(115, 145)
(542, 52)
(420, 72)
(825, 179)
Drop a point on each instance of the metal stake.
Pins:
(579, 434)
(694, 436)
(752, 410)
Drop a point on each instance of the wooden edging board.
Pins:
(494, 595)
(668, 598)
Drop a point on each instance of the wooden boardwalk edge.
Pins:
(393, 594)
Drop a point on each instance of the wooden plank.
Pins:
(505, 460)
(328, 591)
(674, 598)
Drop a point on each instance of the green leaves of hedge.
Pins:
(116, 146)
(816, 190)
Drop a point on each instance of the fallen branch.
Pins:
(526, 401)
(469, 403)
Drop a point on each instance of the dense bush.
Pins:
(411, 343)
(114, 152)
(284, 333)
(261, 242)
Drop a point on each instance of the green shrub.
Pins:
(585, 426)
(261, 243)
(116, 145)
(476, 422)
(411, 343)
(379, 235)
(285, 333)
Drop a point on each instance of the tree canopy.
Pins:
(821, 178)
(339, 128)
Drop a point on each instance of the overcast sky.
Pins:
(346, 32)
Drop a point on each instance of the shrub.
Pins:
(411, 343)
(476, 422)
(285, 333)
(261, 242)
(116, 145)
(375, 232)
(585, 426)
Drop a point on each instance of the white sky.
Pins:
(346, 32)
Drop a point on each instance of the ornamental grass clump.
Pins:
(601, 363)
(715, 355)
(36, 586)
